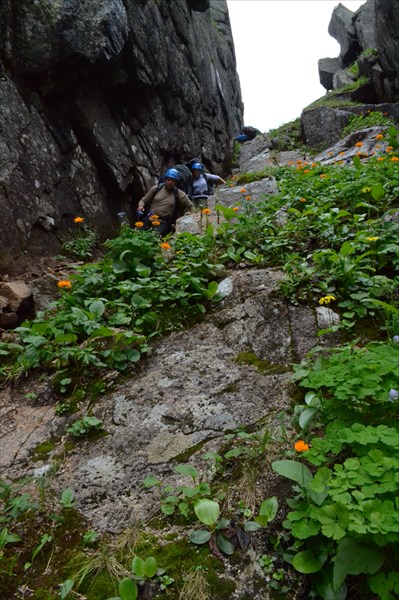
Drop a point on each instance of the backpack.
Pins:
(185, 178)
(250, 132)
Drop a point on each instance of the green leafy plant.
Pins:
(180, 498)
(85, 425)
(370, 119)
(353, 383)
(208, 512)
(82, 246)
(349, 509)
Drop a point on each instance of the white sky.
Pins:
(278, 44)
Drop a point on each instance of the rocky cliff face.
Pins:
(369, 47)
(96, 99)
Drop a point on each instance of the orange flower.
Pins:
(78, 220)
(302, 200)
(301, 446)
(139, 224)
(155, 223)
(381, 158)
(206, 211)
(395, 159)
(65, 284)
(154, 217)
(359, 144)
(290, 162)
(243, 190)
(235, 208)
(314, 164)
(299, 162)
(247, 197)
(233, 177)
(323, 176)
(379, 136)
(378, 145)
(165, 246)
(341, 153)
(306, 170)
(389, 149)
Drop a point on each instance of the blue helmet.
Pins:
(172, 174)
(196, 166)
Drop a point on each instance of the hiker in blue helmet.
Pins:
(201, 185)
(163, 204)
(172, 174)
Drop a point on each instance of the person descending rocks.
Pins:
(201, 185)
(163, 204)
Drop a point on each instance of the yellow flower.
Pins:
(301, 446)
(206, 211)
(379, 136)
(359, 144)
(78, 220)
(155, 223)
(327, 299)
(243, 190)
(366, 189)
(342, 153)
(165, 246)
(373, 238)
(64, 284)
(395, 159)
(139, 224)
(247, 197)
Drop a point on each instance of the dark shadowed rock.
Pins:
(327, 69)
(97, 98)
(323, 125)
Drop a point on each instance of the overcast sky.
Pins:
(278, 44)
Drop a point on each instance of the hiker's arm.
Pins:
(215, 178)
(186, 203)
(146, 198)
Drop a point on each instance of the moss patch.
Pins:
(263, 366)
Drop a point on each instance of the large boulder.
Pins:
(322, 126)
(343, 30)
(97, 99)
(369, 40)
